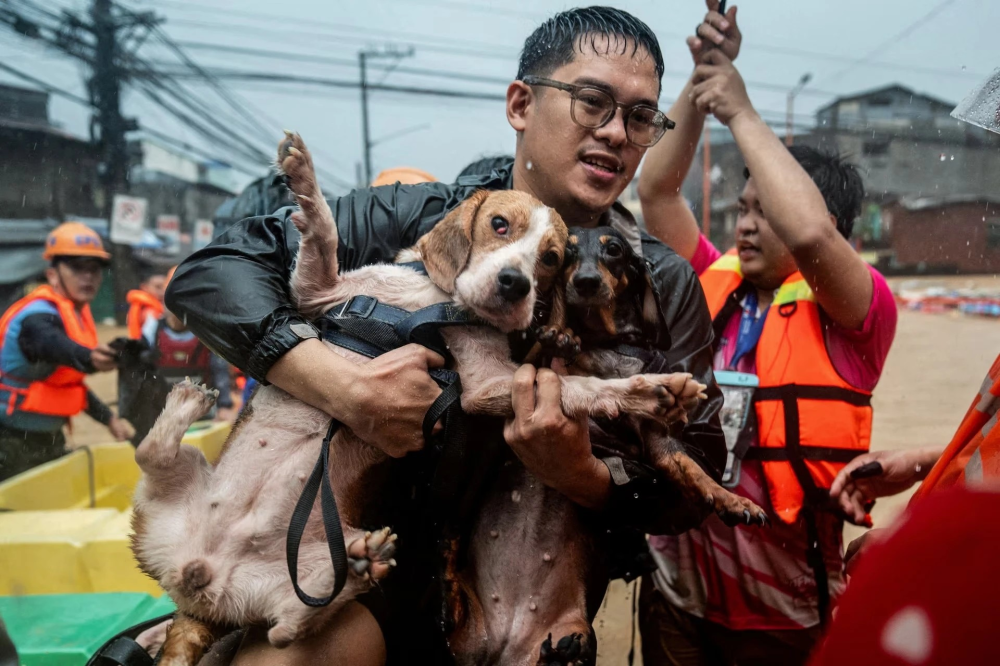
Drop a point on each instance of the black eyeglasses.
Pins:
(594, 108)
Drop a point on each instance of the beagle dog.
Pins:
(214, 537)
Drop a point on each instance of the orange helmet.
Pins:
(403, 175)
(74, 239)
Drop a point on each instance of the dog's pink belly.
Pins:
(530, 560)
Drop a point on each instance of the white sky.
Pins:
(847, 46)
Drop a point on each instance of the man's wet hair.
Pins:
(838, 181)
(485, 165)
(557, 41)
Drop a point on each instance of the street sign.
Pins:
(128, 219)
(169, 226)
(203, 232)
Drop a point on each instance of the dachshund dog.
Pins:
(215, 537)
(611, 312)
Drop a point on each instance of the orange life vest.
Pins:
(973, 455)
(62, 393)
(810, 421)
(141, 305)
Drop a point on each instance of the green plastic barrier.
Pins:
(66, 629)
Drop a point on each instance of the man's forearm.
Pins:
(668, 162)
(664, 209)
(794, 206)
(317, 376)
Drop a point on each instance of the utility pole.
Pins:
(790, 108)
(105, 91)
(363, 57)
(103, 43)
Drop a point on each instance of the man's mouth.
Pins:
(602, 163)
(747, 250)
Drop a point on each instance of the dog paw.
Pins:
(570, 650)
(559, 342)
(734, 510)
(295, 161)
(282, 635)
(665, 398)
(372, 556)
(187, 395)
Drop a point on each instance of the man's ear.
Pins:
(518, 101)
(446, 248)
(52, 276)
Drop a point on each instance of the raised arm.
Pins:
(667, 164)
(791, 202)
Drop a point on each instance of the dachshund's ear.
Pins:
(446, 248)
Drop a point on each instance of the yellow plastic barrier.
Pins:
(60, 552)
(52, 543)
(102, 476)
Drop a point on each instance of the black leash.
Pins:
(319, 479)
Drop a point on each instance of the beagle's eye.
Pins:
(614, 250)
(500, 225)
(550, 258)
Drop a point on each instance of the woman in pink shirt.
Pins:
(745, 594)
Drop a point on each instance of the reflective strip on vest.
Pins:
(973, 455)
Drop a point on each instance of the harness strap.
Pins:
(826, 453)
(796, 455)
(319, 481)
(124, 651)
(812, 392)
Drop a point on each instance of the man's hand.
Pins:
(390, 397)
(900, 470)
(719, 89)
(716, 31)
(103, 358)
(554, 448)
(121, 429)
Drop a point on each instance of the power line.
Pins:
(901, 35)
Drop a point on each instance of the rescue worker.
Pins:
(178, 355)
(801, 317)
(48, 344)
(146, 302)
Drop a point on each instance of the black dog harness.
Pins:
(371, 328)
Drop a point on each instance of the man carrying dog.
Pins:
(584, 112)
(799, 314)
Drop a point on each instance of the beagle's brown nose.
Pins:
(586, 284)
(512, 285)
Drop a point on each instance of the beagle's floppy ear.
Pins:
(446, 248)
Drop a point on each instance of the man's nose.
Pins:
(614, 132)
